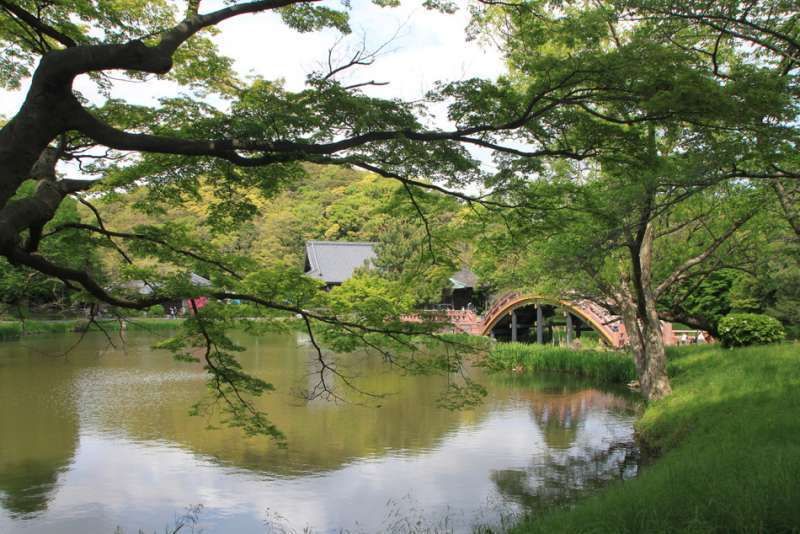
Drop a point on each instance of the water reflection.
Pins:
(99, 440)
(556, 478)
(587, 445)
(38, 428)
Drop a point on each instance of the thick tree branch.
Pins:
(35, 211)
(172, 39)
(279, 150)
(61, 66)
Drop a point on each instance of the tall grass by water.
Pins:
(606, 366)
(13, 330)
(728, 441)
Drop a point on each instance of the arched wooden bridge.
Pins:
(608, 326)
(578, 315)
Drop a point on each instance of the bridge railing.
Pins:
(463, 320)
(499, 305)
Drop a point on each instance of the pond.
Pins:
(100, 441)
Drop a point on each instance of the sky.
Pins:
(428, 47)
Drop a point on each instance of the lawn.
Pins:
(727, 448)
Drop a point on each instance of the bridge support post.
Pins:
(539, 324)
(569, 328)
(513, 325)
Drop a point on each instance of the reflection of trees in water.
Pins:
(26, 487)
(152, 400)
(38, 430)
(146, 395)
(560, 413)
(562, 476)
(563, 471)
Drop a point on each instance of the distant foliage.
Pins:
(710, 299)
(740, 329)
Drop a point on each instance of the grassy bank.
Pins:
(603, 366)
(13, 330)
(729, 445)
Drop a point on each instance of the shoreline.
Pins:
(16, 330)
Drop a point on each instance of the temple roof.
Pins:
(333, 262)
(464, 278)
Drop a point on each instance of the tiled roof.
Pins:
(464, 278)
(333, 262)
(198, 280)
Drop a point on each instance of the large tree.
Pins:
(678, 132)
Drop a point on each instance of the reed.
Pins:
(605, 366)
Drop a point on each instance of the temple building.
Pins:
(333, 262)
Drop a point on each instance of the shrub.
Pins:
(740, 329)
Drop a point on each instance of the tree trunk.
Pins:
(654, 380)
(637, 302)
(627, 306)
(647, 345)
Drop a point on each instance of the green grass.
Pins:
(603, 366)
(729, 444)
(14, 330)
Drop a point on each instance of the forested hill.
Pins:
(266, 226)
(326, 203)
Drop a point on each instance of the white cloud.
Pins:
(429, 47)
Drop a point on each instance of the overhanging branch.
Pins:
(37, 24)
(681, 272)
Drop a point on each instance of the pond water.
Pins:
(101, 441)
